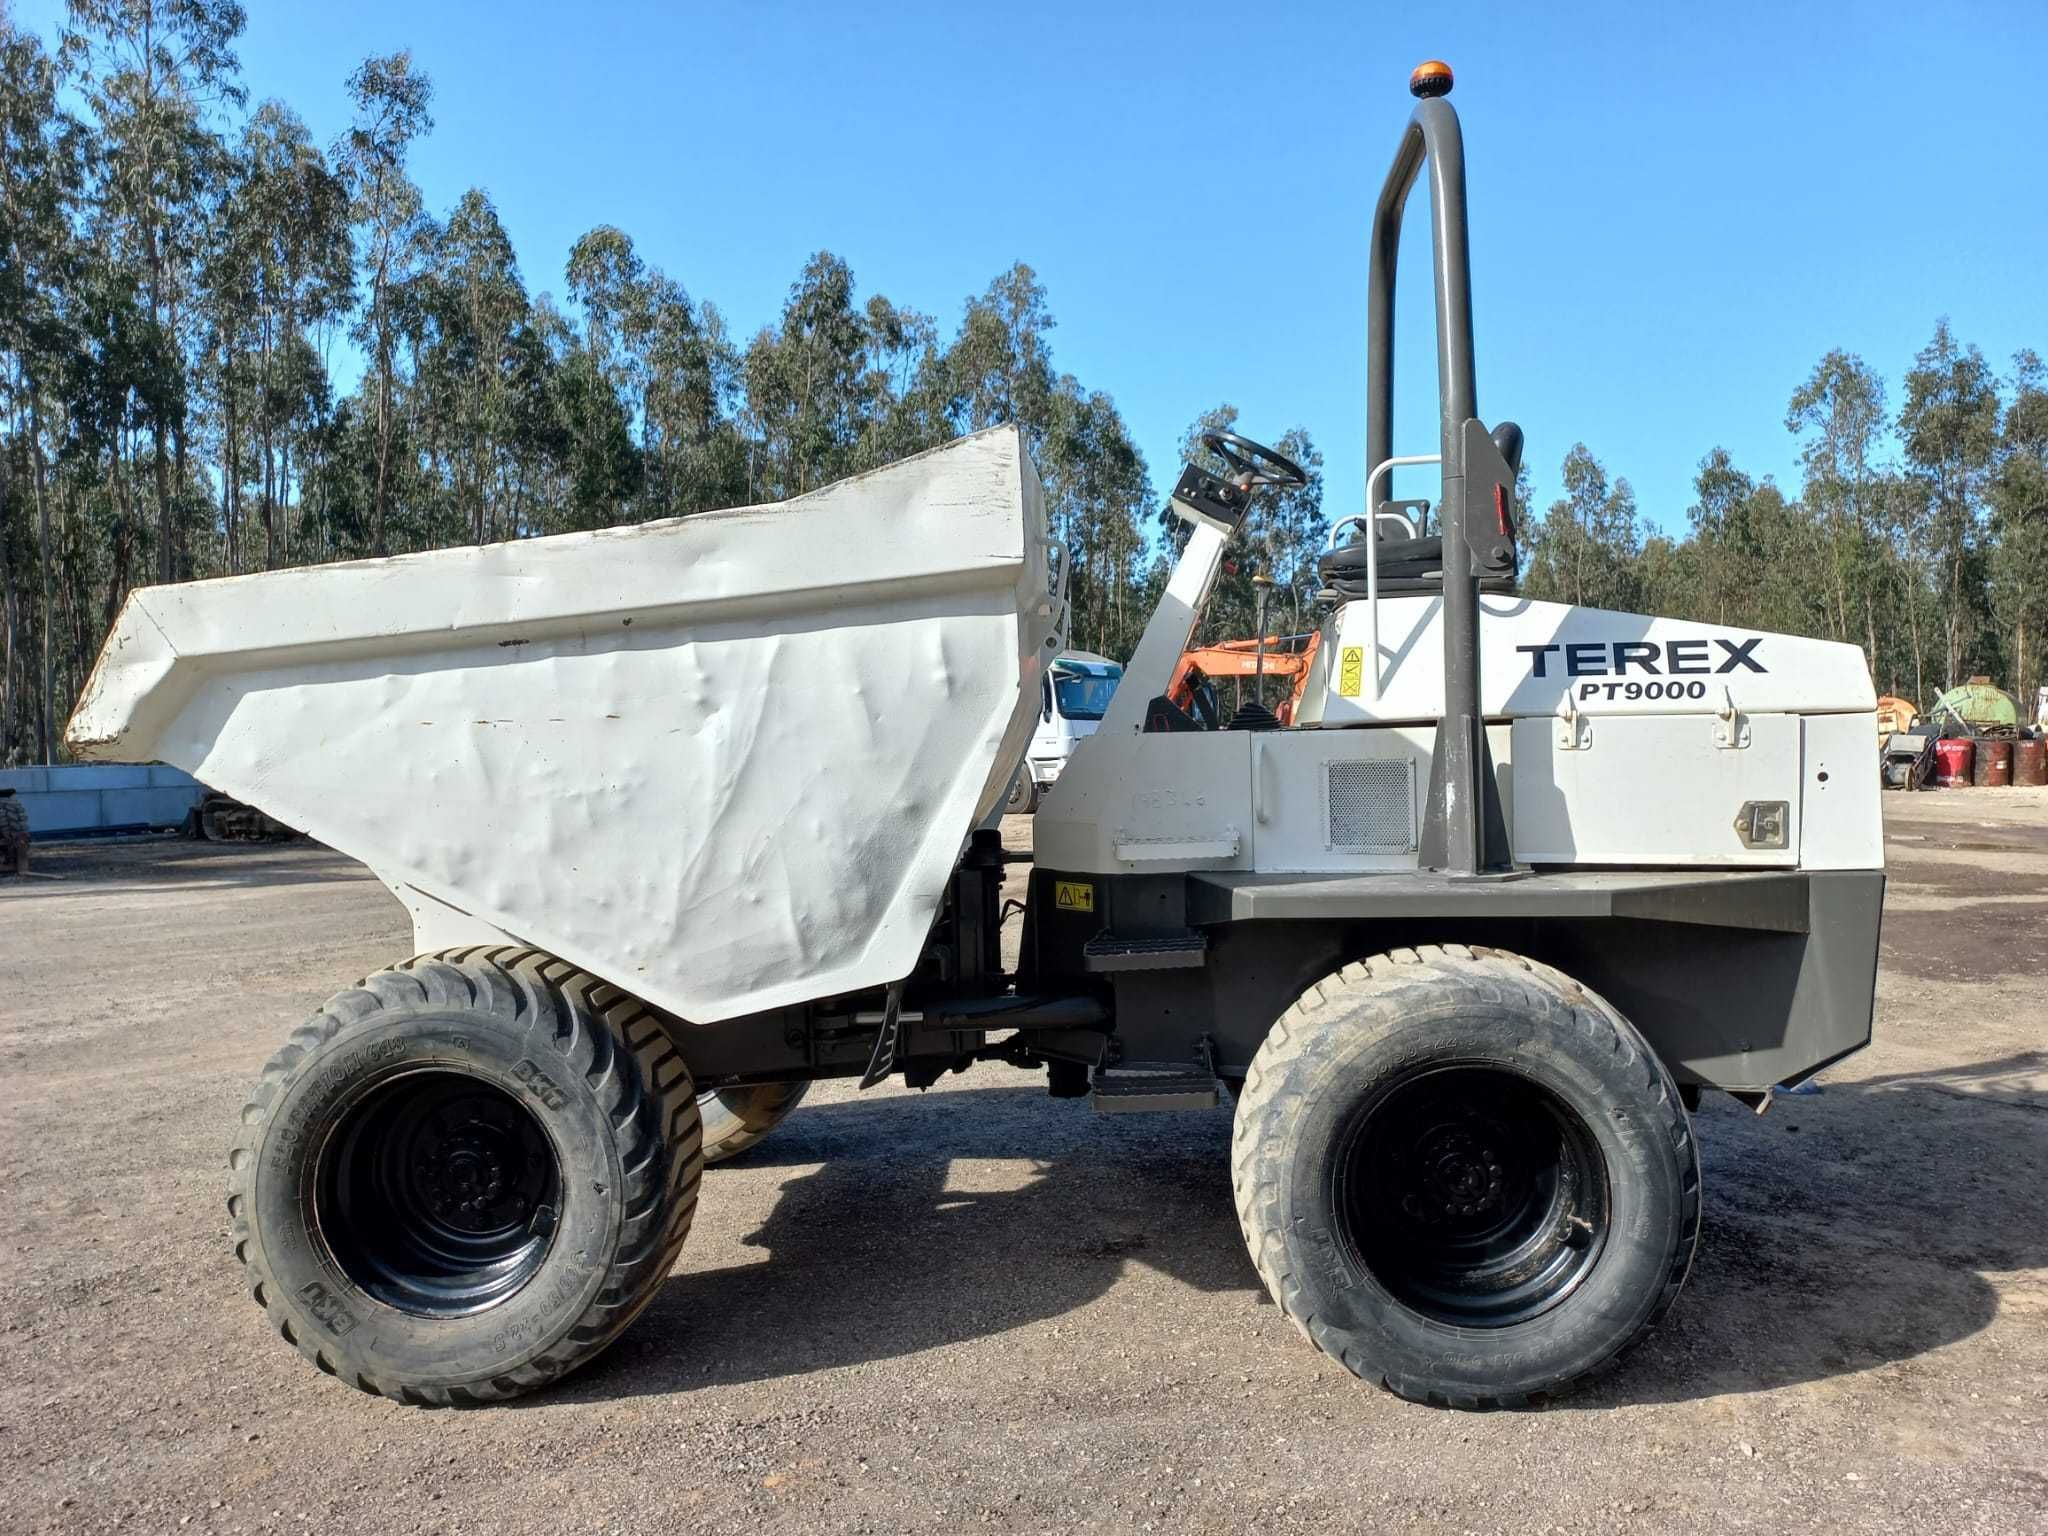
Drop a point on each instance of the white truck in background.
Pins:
(1073, 696)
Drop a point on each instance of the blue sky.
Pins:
(1676, 209)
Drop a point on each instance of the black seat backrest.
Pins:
(1492, 526)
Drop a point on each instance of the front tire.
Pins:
(465, 1176)
(1464, 1176)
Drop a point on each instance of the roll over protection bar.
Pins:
(1463, 831)
(1433, 139)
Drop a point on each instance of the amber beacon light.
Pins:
(1432, 77)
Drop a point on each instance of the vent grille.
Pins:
(1371, 805)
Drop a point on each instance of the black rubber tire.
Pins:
(13, 830)
(598, 1073)
(736, 1118)
(1023, 797)
(1344, 1048)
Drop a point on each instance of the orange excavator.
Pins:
(1203, 668)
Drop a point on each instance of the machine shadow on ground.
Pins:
(1852, 1231)
(1847, 1250)
(887, 1244)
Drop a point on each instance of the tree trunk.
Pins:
(10, 703)
(264, 412)
(159, 441)
(43, 560)
(158, 427)
(2022, 694)
(9, 621)
(383, 329)
(1912, 601)
(1842, 594)
(1955, 614)
(181, 564)
(230, 469)
(117, 578)
(78, 607)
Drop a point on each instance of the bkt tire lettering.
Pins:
(325, 1308)
(540, 1085)
(1604, 658)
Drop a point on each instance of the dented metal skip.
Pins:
(726, 762)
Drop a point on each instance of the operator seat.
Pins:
(1417, 565)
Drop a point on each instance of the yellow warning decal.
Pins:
(1350, 670)
(1073, 895)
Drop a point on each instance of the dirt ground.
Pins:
(995, 1311)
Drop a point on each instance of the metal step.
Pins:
(1153, 952)
(1143, 1090)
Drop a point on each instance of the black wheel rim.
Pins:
(438, 1193)
(1474, 1195)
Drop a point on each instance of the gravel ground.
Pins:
(989, 1310)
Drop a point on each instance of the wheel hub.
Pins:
(433, 1192)
(1473, 1195)
(1461, 1176)
(463, 1177)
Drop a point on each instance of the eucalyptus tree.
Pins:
(607, 280)
(1000, 364)
(42, 175)
(1949, 425)
(1904, 510)
(285, 266)
(2019, 524)
(1295, 528)
(226, 302)
(1584, 549)
(1668, 573)
(391, 97)
(694, 458)
(674, 368)
(114, 387)
(805, 401)
(1097, 494)
(1724, 535)
(475, 307)
(909, 397)
(1840, 414)
(592, 467)
(152, 70)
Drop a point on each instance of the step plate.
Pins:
(1168, 952)
(1140, 1093)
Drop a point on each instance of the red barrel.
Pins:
(1952, 756)
(2030, 761)
(1993, 768)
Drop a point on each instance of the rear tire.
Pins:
(1464, 1176)
(465, 1176)
(736, 1118)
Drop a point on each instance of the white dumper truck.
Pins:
(1465, 942)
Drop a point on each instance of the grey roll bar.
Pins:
(1432, 138)
(1463, 832)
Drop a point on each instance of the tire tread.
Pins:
(1317, 1017)
(617, 1044)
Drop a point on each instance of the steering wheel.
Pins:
(1255, 463)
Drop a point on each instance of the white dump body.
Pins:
(725, 762)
